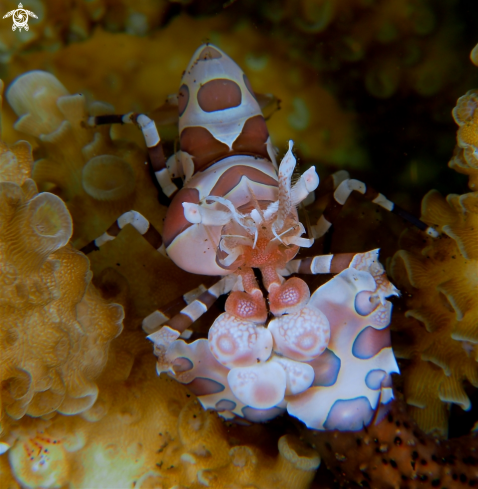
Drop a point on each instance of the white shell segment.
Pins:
(306, 184)
(225, 125)
(203, 363)
(299, 376)
(301, 336)
(195, 249)
(206, 180)
(235, 342)
(343, 191)
(162, 340)
(196, 214)
(260, 386)
(330, 407)
(204, 366)
(368, 262)
(314, 406)
(140, 223)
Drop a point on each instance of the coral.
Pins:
(319, 57)
(396, 453)
(51, 314)
(378, 35)
(146, 431)
(98, 178)
(59, 23)
(397, 64)
(439, 334)
(81, 166)
(465, 159)
(358, 44)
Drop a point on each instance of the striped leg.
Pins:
(202, 300)
(139, 222)
(367, 262)
(342, 193)
(162, 315)
(329, 184)
(153, 143)
(314, 265)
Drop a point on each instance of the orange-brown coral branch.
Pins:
(396, 454)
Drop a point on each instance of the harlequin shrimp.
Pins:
(325, 357)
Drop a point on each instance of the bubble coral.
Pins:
(55, 329)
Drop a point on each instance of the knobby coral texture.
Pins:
(50, 314)
(146, 431)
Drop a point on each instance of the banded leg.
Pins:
(135, 219)
(156, 319)
(341, 194)
(338, 262)
(153, 143)
(314, 265)
(176, 325)
(329, 184)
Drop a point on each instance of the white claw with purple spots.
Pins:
(328, 364)
(302, 335)
(235, 342)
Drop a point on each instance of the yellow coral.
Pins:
(80, 166)
(51, 315)
(58, 22)
(98, 178)
(76, 163)
(145, 431)
(441, 278)
(465, 159)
